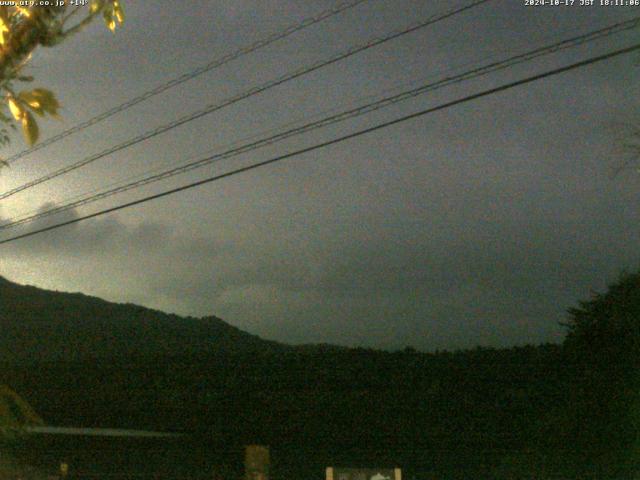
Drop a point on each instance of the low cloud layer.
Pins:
(499, 286)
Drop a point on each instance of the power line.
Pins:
(249, 93)
(118, 186)
(218, 62)
(339, 117)
(244, 139)
(334, 141)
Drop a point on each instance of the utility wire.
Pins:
(125, 180)
(167, 163)
(81, 196)
(342, 116)
(261, 133)
(334, 141)
(218, 62)
(253, 91)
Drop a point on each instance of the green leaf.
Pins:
(41, 101)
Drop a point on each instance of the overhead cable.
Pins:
(332, 119)
(333, 141)
(213, 64)
(249, 93)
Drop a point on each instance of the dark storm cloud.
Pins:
(477, 225)
(501, 276)
(102, 236)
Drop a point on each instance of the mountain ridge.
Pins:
(45, 325)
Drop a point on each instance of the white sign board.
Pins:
(334, 473)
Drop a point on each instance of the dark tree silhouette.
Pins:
(603, 345)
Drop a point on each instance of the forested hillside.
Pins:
(548, 410)
(40, 325)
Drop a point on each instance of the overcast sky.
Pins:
(477, 225)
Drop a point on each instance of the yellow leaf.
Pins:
(118, 10)
(30, 128)
(24, 11)
(113, 14)
(107, 14)
(4, 29)
(96, 6)
(16, 109)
